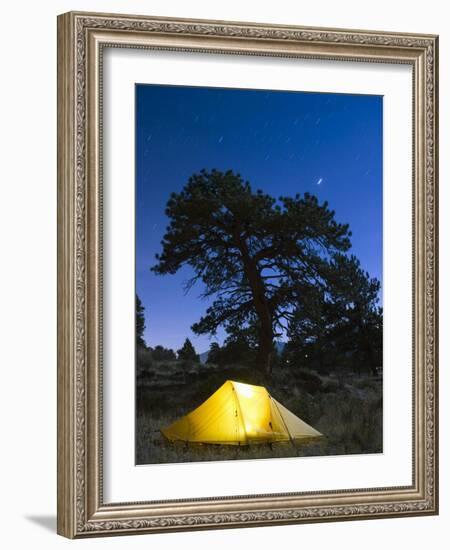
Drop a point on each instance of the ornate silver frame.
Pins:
(81, 38)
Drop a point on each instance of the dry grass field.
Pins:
(347, 409)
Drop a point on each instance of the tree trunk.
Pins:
(265, 349)
(262, 308)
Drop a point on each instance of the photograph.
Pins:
(258, 274)
(247, 273)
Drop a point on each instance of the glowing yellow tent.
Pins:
(239, 414)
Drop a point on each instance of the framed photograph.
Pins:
(247, 274)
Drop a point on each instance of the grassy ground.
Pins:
(347, 410)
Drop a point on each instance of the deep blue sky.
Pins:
(282, 142)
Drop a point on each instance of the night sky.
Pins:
(282, 142)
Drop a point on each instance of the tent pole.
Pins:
(238, 406)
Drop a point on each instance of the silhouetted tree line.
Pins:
(146, 355)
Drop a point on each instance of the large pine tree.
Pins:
(256, 256)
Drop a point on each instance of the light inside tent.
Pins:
(244, 389)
